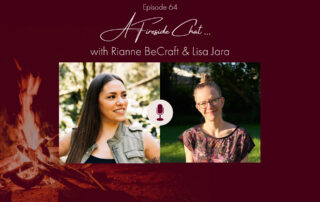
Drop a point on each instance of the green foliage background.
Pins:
(240, 85)
(142, 81)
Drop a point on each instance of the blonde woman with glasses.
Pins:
(215, 140)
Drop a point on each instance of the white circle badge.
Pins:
(160, 112)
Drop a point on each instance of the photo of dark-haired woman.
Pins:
(103, 133)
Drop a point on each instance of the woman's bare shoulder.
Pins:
(147, 137)
(64, 144)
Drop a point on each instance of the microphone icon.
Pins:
(160, 112)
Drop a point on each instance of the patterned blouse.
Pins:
(205, 148)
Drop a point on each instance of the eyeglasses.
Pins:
(204, 104)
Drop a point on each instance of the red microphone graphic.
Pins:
(160, 112)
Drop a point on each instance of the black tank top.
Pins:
(93, 159)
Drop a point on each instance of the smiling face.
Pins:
(113, 101)
(209, 112)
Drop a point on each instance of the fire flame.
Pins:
(28, 121)
(34, 161)
(28, 139)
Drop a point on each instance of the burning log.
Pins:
(96, 181)
(27, 183)
(59, 172)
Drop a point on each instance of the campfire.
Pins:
(35, 153)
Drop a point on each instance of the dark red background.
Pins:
(278, 35)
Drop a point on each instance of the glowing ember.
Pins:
(28, 174)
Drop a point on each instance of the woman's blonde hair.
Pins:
(207, 81)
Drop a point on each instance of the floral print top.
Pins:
(205, 148)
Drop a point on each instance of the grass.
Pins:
(172, 149)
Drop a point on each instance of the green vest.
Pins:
(126, 145)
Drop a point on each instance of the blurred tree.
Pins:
(239, 82)
(165, 76)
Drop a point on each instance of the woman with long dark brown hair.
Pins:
(102, 136)
(215, 140)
